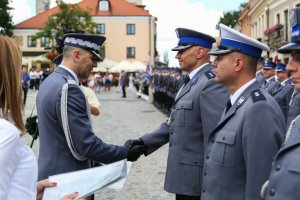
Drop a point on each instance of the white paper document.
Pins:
(88, 181)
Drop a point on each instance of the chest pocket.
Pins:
(224, 149)
(184, 111)
(294, 165)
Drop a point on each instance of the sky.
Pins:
(199, 15)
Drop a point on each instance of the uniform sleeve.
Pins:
(262, 137)
(9, 158)
(85, 142)
(157, 138)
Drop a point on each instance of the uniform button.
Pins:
(278, 167)
(207, 157)
(213, 140)
(272, 192)
(171, 133)
(195, 161)
(181, 106)
(223, 138)
(172, 119)
(203, 190)
(170, 144)
(204, 173)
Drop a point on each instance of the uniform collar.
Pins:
(236, 95)
(194, 72)
(71, 72)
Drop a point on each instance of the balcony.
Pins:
(275, 36)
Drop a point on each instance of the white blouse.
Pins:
(18, 165)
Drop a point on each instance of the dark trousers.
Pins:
(25, 90)
(184, 197)
(124, 91)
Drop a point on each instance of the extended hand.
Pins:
(135, 152)
(130, 143)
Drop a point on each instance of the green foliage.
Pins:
(72, 16)
(230, 18)
(6, 25)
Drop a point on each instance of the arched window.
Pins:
(103, 5)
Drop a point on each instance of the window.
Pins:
(130, 52)
(31, 41)
(100, 29)
(45, 41)
(286, 18)
(278, 18)
(130, 29)
(103, 5)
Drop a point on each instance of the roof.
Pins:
(117, 8)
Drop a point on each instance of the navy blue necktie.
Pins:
(228, 106)
(186, 79)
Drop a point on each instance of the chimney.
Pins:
(42, 5)
(136, 2)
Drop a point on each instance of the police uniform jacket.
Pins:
(54, 154)
(195, 112)
(242, 146)
(282, 95)
(260, 77)
(284, 180)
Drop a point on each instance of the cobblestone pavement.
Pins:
(122, 119)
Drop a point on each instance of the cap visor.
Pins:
(97, 56)
(216, 52)
(289, 47)
(179, 47)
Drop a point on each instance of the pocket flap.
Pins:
(227, 137)
(190, 159)
(294, 165)
(185, 104)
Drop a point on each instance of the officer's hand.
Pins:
(135, 152)
(264, 189)
(130, 143)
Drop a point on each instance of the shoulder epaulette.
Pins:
(257, 95)
(210, 74)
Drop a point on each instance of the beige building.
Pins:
(129, 29)
(270, 23)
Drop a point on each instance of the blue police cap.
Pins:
(261, 60)
(232, 40)
(295, 34)
(90, 42)
(280, 67)
(177, 69)
(269, 65)
(188, 38)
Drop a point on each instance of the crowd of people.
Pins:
(233, 128)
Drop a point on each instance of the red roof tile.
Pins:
(117, 8)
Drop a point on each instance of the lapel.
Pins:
(294, 138)
(239, 103)
(277, 89)
(193, 81)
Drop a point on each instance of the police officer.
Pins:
(250, 132)
(259, 74)
(67, 140)
(269, 75)
(197, 109)
(284, 179)
(282, 93)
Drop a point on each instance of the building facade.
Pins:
(129, 29)
(270, 24)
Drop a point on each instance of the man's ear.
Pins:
(239, 63)
(76, 55)
(200, 52)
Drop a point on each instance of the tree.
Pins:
(231, 18)
(6, 25)
(70, 18)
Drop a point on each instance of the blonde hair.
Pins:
(10, 81)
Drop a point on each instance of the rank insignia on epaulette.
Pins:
(210, 74)
(194, 80)
(241, 100)
(257, 95)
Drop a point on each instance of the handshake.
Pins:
(135, 149)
